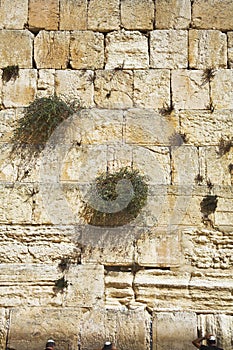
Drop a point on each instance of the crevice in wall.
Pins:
(8, 325)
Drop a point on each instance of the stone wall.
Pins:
(155, 82)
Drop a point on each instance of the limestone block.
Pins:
(223, 214)
(185, 165)
(13, 15)
(8, 165)
(52, 49)
(158, 249)
(118, 287)
(22, 91)
(128, 50)
(4, 319)
(148, 127)
(207, 49)
(131, 14)
(230, 49)
(221, 89)
(1, 89)
(16, 48)
(15, 204)
(86, 50)
(188, 90)
(213, 14)
(75, 85)
(73, 14)
(59, 323)
(168, 327)
(7, 124)
(114, 89)
(103, 16)
(148, 94)
(206, 128)
(169, 49)
(45, 82)
(173, 14)
(49, 14)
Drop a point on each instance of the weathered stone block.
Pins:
(213, 14)
(103, 16)
(75, 84)
(45, 82)
(118, 287)
(167, 326)
(49, 14)
(173, 14)
(52, 49)
(16, 48)
(7, 122)
(207, 49)
(73, 15)
(128, 50)
(4, 319)
(185, 165)
(189, 91)
(230, 49)
(86, 50)
(13, 15)
(222, 89)
(22, 91)
(114, 88)
(148, 94)
(131, 14)
(168, 49)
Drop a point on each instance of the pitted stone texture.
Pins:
(48, 17)
(114, 88)
(73, 14)
(126, 50)
(207, 49)
(16, 48)
(189, 90)
(230, 49)
(45, 82)
(7, 124)
(118, 287)
(22, 91)
(4, 322)
(213, 14)
(172, 14)
(223, 219)
(86, 50)
(169, 49)
(131, 14)
(52, 49)
(168, 325)
(76, 84)
(13, 15)
(222, 89)
(185, 165)
(103, 16)
(148, 94)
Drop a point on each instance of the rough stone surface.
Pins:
(46, 82)
(173, 14)
(230, 48)
(107, 22)
(168, 49)
(49, 14)
(221, 89)
(131, 14)
(73, 15)
(207, 49)
(13, 15)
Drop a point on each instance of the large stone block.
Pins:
(185, 165)
(4, 321)
(45, 82)
(7, 124)
(86, 50)
(114, 88)
(169, 49)
(207, 49)
(16, 48)
(213, 14)
(148, 94)
(49, 14)
(52, 49)
(76, 85)
(73, 14)
(13, 15)
(22, 91)
(230, 49)
(128, 50)
(173, 14)
(222, 89)
(103, 23)
(118, 287)
(131, 14)
(188, 90)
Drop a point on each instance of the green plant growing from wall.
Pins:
(106, 186)
(208, 75)
(10, 72)
(60, 285)
(224, 146)
(208, 205)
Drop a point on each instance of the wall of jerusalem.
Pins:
(155, 83)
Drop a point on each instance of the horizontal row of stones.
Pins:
(84, 14)
(122, 89)
(196, 49)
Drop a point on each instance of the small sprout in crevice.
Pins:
(209, 184)
(208, 75)
(230, 168)
(225, 145)
(10, 72)
(167, 110)
(177, 139)
(198, 179)
(208, 205)
(60, 285)
(211, 107)
(64, 264)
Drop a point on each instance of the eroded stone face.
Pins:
(103, 16)
(13, 15)
(173, 14)
(73, 15)
(131, 14)
(49, 14)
